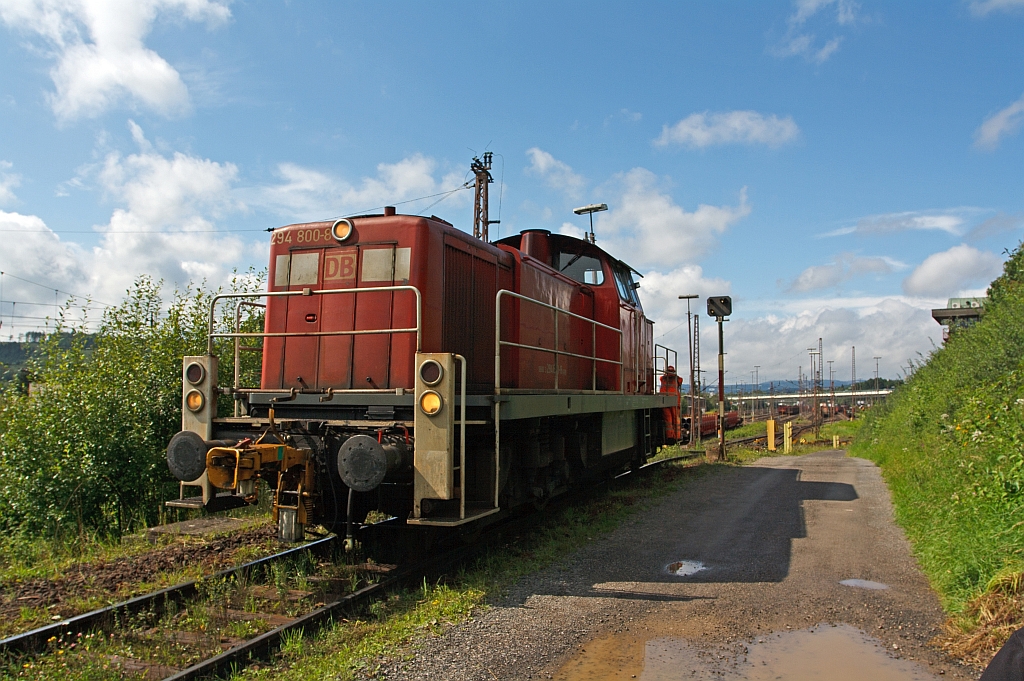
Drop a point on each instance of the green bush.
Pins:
(951, 446)
(85, 451)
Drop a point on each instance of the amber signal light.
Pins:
(194, 400)
(342, 229)
(431, 403)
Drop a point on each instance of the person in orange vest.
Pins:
(670, 385)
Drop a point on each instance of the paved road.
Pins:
(775, 539)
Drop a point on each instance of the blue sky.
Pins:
(838, 167)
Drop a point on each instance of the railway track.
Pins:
(778, 434)
(263, 645)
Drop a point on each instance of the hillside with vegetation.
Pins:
(951, 446)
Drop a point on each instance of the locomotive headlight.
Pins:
(431, 372)
(430, 402)
(342, 229)
(194, 400)
(195, 373)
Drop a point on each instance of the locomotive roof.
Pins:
(515, 239)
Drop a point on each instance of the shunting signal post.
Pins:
(720, 307)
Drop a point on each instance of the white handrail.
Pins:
(237, 335)
(594, 359)
(310, 292)
(462, 441)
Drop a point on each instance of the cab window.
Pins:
(625, 285)
(585, 269)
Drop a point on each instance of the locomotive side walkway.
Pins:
(766, 546)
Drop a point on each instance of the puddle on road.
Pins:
(864, 584)
(839, 653)
(685, 568)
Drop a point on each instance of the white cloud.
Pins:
(729, 127)
(952, 221)
(995, 225)
(845, 267)
(1000, 125)
(100, 53)
(660, 291)
(952, 271)
(569, 229)
(33, 253)
(797, 41)
(983, 7)
(891, 329)
(8, 181)
(896, 328)
(309, 194)
(646, 225)
(166, 217)
(166, 226)
(557, 174)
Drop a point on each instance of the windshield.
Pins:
(583, 268)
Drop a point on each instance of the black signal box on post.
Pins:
(719, 306)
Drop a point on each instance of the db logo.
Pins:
(340, 267)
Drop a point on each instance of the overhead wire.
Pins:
(446, 195)
(53, 288)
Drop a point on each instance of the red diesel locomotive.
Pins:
(413, 369)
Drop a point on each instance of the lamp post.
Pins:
(875, 396)
(590, 210)
(815, 371)
(689, 346)
(757, 385)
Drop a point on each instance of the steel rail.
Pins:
(262, 646)
(35, 641)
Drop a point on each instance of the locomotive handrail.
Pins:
(594, 359)
(238, 347)
(667, 350)
(310, 292)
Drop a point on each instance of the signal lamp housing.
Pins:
(342, 230)
(431, 372)
(195, 373)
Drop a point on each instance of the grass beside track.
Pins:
(950, 443)
(354, 649)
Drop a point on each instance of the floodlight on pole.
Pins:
(590, 210)
(695, 418)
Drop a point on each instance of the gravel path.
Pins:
(775, 537)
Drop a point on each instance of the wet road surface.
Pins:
(791, 567)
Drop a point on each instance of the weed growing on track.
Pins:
(951, 446)
(352, 649)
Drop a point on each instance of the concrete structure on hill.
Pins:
(959, 313)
